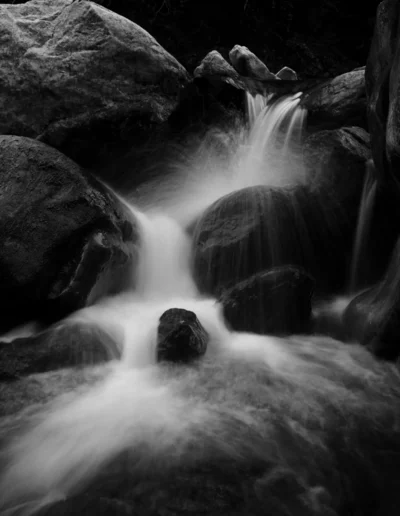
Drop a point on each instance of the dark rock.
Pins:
(286, 74)
(257, 228)
(337, 162)
(67, 345)
(373, 317)
(84, 505)
(66, 239)
(337, 102)
(181, 337)
(82, 78)
(248, 64)
(382, 78)
(277, 301)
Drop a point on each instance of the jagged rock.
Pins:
(181, 337)
(382, 78)
(373, 317)
(337, 102)
(215, 64)
(257, 228)
(277, 301)
(67, 345)
(248, 64)
(82, 78)
(286, 74)
(66, 239)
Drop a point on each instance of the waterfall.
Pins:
(252, 397)
(365, 213)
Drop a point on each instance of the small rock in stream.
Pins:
(181, 337)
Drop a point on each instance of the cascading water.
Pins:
(251, 398)
(363, 225)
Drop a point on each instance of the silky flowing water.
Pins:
(230, 403)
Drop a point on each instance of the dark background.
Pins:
(315, 37)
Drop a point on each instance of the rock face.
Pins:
(66, 239)
(248, 64)
(373, 317)
(82, 78)
(181, 337)
(257, 228)
(337, 159)
(59, 347)
(337, 102)
(277, 301)
(382, 77)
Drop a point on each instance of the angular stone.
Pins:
(248, 64)
(286, 74)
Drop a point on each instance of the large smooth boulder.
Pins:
(373, 317)
(277, 302)
(257, 228)
(180, 336)
(337, 102)
(382, 78)
(67, 345)
(66, 239)
(82, 78)
(247, 64)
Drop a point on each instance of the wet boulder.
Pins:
(337, 102)
(382, 77)
(66, 239)
(82, 79)
(373, 317)
(180, 337)
(248, 64)
(257, 228)
(66, 345)
(277, 301)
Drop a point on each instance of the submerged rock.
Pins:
(248, 64)
(82, 78)
(181, 337)
(257, 228)
(373, 317)
(277, 302)
(67, 345)
(66, 239)
(337, 102)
